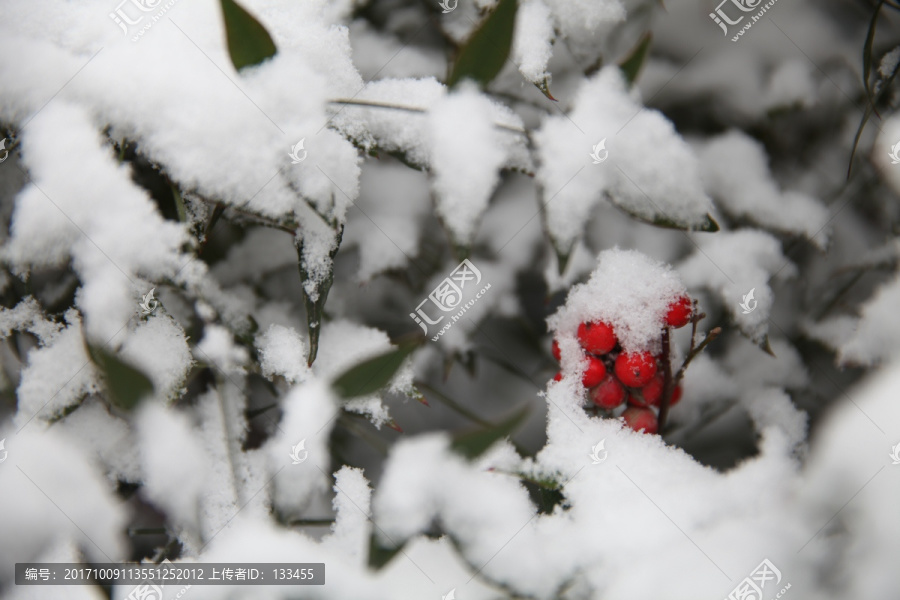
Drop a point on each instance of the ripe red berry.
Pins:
(596, 337)
(676, 396)
(609, 394)
(641, 419)
(554, 349)
(635, 369)
(594, 374)
(558, 376)
(652, 392)
(680, 312)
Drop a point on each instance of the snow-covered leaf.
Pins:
(486, 51)
(373, 374)
(248, 41)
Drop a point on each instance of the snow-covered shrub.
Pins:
(405, 288)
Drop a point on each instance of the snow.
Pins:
(889, 63)
(731, 264)
(158, 347)
(875, 335)
(352, 502)
(627, 290)
(463, 139)
(27, 316)
(172, 460)
(664, 183)
(532, 40)
(282, 351)
(736, 174)
(82, 204)
(57, 376)
(387, 232)
(813, 493)
(310, 410)
(217, 348)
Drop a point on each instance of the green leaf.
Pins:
(867, 52)
(709, 225)
(486, 51)
(315, 306)
(473, 444)
(632, 64)
(380, 555)
(248, 41)
(126, 384)
(371, 375)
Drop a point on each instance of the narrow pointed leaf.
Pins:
(126, 385)
(867, 53)
(371, 375)
(484, 54)
(475, 443)
(632, 64)
(248, 41)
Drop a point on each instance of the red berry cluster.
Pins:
(614, 377)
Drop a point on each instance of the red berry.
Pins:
(676, 396)
(609, 394)
(680, 312)
(635, 369)
(558, 376)
(594, 374)
(652, 392)
(641, 419)
(555, 350)
(596, 337)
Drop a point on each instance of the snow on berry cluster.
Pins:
(609, 333)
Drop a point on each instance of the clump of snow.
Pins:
(282, 351)
(579, 19)
(387, 232)
(465, 159)
(877, 332)
(82, 204)
(735, 172)
(58, 375)
(218, 349)
(27, 315)
(649, 170)
(344, 344)
(352, 501)
(172, 461)
(753, 368)
(160, 349)
(532, 41)
(629, 291)
(310, 411)
(733, 264)
(115, 448)
(889, 63)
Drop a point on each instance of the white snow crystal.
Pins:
(159, 348)
(282, 352)
(877, 334)
(736, 173)
(532, 41)
(57, 376)
(733, 264)
(646, 168)
(627, 290)
(173, 462)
